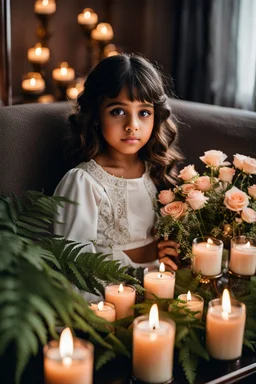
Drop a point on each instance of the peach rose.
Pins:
(236, 200)
(166, 196)
(248, 215)
(226, 174)
(252, 191)
(176, 210)
(239, 161)
(196, 199)
(186, 188)
(203, 183)
(249, 166)
(213, 158)
(187, 173)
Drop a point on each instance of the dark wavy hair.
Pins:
(144, 82)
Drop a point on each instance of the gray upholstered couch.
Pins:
(31, 140)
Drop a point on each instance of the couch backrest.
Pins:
(31, 140)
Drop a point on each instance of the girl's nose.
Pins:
(132, 124)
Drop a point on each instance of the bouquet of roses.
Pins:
(220, 203)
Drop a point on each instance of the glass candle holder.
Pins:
(193, 302)
(225, 331)
(104, 309)
(207, 258)
(243, 256)
(123, 297)
(77, 369)
(159, 283)
(153, 350)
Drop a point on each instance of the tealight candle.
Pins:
(123, 296)
(243, 256)
(225, 322)
(88, 17)
(74, 90)
(194, 302)
(159, 283)
(153, 345)
(207, 258)
(68, 361)
(64, 73)
(45, 99)
(104, 309)
(34, 84)
(103, 32)
(45, 7)
(38, 54)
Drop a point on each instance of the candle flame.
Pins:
(121, 288)
(100, 306)
(162, 267)
(32, 82)
(104, 29)
(66, 346)
(209, 243)
(38, 51)
(45, 3)
(226, 304)
(87, 14)
(247, 245)
(63, 71)
(154, 317)
(189, 298)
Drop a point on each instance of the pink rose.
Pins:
(213, 158)
(166, 196)
(176, 210)
(186, 188)
(187, 173)
(249, 166)
(252, 191)
(203, 183)
(196, 199)
(226, 174)
(248, 215)
(235, 200)
(239, 161)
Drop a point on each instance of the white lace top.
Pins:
(112, 215)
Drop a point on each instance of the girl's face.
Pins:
(126, 125)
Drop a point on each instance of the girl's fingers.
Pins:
(167, 252)
(168, 243)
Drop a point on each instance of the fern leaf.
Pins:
(189, 364)
(104, 358)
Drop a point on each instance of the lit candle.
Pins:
(123, 296)
(153, 345)
(34, 84)
(207, 258)
(243, 256)
(194, 302)
(45, 99)
(103, 32)
(159, 283)
(73, 91)
(38, 54)
(104, 309)
(45, 7)
(88, 17)
(64, 73)
(69, 361)
(225, 324)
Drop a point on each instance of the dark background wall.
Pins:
(145, 26)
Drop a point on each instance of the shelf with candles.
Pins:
(44, 9)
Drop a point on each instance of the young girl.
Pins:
(120, 139)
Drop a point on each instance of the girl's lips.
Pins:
(130, 138)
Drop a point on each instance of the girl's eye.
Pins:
(145, 113)
(117, 112)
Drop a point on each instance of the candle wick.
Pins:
(161, 275)
(154, 327)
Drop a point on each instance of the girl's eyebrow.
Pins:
(115, 103)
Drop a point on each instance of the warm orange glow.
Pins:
(32, 82)
(154, 317)
(66, 346)
(226, 304)
(38, 51)
(121, 288)
(189, 298)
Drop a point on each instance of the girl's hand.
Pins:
(166, 250)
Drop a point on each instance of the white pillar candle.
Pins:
(243, 256)
(45, 7)
(68, 361)
(104, 309)
(64, 73)
(103, 32)
(38, 54)
(88, 17)
(153, 345)
(194, 302)
(225, 324)
(159, 283)
(207, 258)
(123, 296)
